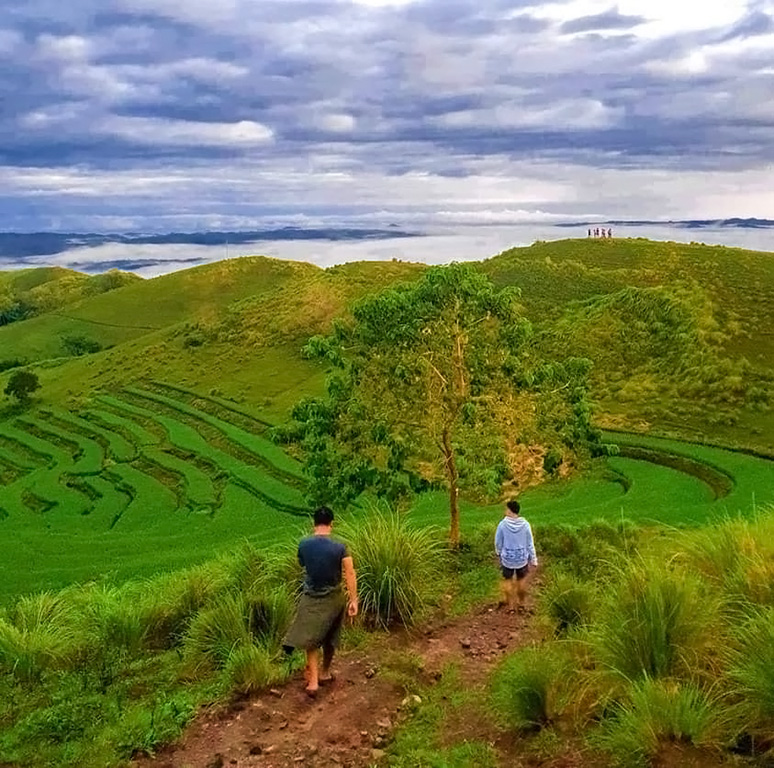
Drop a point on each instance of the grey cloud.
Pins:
(609, 20)
(756, 23)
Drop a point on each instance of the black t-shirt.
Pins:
(321, 557)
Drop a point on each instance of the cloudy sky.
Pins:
(188, 114)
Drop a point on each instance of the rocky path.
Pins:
(351, 720)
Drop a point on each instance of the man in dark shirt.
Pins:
(323, 605)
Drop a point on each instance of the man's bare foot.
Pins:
(311, 692)
(327, 679)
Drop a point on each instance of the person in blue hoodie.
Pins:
(516, 549)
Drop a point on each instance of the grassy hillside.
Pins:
(28, 293)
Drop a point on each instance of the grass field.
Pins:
(159, 476)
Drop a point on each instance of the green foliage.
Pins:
(457, 349)
(397, 566)
(12, 362)
(752, 670)
(655, 712)
(658, 622)
(21, 385)
(568, 601)
(39, 633)
(144, 728)
(215, 632)
(79, 344)
(529, 690)
(251, 668)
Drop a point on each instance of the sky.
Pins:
(157, 115)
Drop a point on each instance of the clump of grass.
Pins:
(168, 604)
(656, 712)
(250, 668)
(40, 633)
(214, 633)
(529, 691)
(111, 618)
(270, 611)
(657, 623)
(397, 566)
(752, 670)
(568, 602)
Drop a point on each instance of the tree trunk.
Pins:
(454, 491)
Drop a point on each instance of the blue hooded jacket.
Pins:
(514, 544)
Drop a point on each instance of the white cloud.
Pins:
(570, 114)
(183, 133)
(337, 123)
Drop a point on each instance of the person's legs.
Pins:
(506, 586)
(325, 673)
(311, 672)
(521, 585)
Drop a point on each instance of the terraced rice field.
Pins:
(157, 477)
(149, 479)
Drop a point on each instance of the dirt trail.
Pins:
(350, 721)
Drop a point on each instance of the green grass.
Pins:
(162, 475)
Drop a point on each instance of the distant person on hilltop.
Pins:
(609, 232)
(323, 604)
(516, 549)
(589, 233)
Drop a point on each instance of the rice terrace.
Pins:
(155, 479)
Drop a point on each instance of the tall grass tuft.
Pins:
(167, 604)
(656, 712)
(40, 633)
(214, 633)
(270, 611)
(529, 689)
(752, 670)
(397, 566)
(568, 602)
(250, 668)
(657, 623)
(111, 618)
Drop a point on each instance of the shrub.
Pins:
(529, 690)
(657, 623)
(397, 565)
(77, 345)
(656, 712)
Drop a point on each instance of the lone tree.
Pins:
(436, 383)
(21, 385)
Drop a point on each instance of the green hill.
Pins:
(235, 327)
(27, 293)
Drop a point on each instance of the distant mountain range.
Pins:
(683, 224)
(18, 246)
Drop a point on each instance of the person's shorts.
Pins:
(519, 573)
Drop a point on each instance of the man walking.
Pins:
(323, 604)
(516, 549)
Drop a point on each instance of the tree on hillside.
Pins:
(436, 383)
(21, 385)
